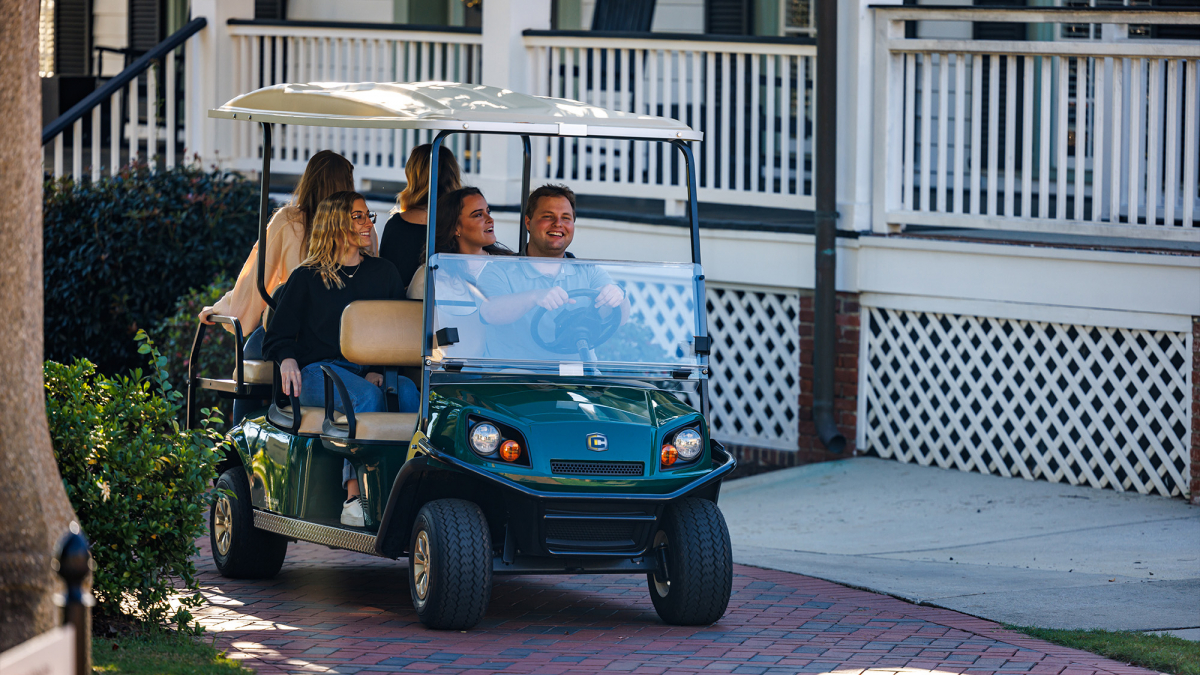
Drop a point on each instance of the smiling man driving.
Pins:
(514, 292)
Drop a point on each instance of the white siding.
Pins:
(944, 30)
(369, 11)
(679, 16)
(110, 28)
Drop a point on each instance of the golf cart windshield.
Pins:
(565, 316)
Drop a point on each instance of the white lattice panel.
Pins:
(755, 363)
(755, 385)
(1106, 407)
(671, 306)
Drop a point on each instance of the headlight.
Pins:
(484, 438)
(689, 443)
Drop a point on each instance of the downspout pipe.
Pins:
(825, 288)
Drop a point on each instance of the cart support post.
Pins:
(825, 289)
(264, 208)
(523, 234)
(430, 239)
(689, 163)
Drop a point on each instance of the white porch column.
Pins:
(210, 54)
(856, 106)
(505, 65)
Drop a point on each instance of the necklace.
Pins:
(350, 275)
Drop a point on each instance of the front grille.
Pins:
(582, 530)
(590, 468)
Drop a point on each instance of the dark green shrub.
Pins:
(174, 337)
(139, 483)
(121, 251)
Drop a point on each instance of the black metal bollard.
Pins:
(73, 562)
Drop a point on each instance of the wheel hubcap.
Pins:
(661, 587)
(421, 564)
(223, 525)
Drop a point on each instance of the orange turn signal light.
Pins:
(510, 451)
(669, 454)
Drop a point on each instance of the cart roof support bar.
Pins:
(264, 214)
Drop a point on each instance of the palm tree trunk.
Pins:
(34, 510)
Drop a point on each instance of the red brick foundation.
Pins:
(1195, 486)
(845, 374)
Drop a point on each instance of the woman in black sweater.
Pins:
(305, 332)
(404, 235)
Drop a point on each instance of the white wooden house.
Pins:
(1019, 259)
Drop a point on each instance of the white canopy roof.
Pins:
(443, 106)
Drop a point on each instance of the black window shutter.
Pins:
(147, 24)
(1178, 32)
(72, 37)
(729, 17)
(270, 9)
(623, 15)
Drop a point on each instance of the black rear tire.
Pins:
(450, 564)
(699, 560)
(241, 550)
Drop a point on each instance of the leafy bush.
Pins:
(139, 483)
(174, 338)
(120, 251)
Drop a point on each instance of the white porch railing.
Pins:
(137, 116)
(753, 100)
(1082, 137)
(296, 52)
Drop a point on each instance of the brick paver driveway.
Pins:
(339, 612)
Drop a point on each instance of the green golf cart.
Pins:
(548, 441)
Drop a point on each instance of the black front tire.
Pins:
(699, 562)
(241, 550)
(450, 564)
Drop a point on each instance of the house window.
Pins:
(797, 18)
(1083, 31)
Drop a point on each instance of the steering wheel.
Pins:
(577, 327)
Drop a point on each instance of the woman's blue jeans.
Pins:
(364, 396)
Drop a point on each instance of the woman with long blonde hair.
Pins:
(403, 240)
(288, 236)
(305, 332)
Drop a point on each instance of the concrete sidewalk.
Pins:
(1006, 549)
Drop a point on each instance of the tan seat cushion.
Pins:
(257, 372)
(383, 332)
(381, 426)
(312, 417)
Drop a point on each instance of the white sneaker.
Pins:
(352, 512)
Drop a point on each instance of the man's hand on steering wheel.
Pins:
(553, 298)
(610, 296)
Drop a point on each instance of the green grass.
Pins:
(160, 653)
(1164, 653)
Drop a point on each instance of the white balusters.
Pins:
(77, 149)
(1010, 134)
(1171, 144)
(926, 166)
(1096, 138)
(943, 96)
(1027, 141)
(747, 98)
(1189, 144)
(170, 111)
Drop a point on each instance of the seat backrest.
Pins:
(383, 332)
